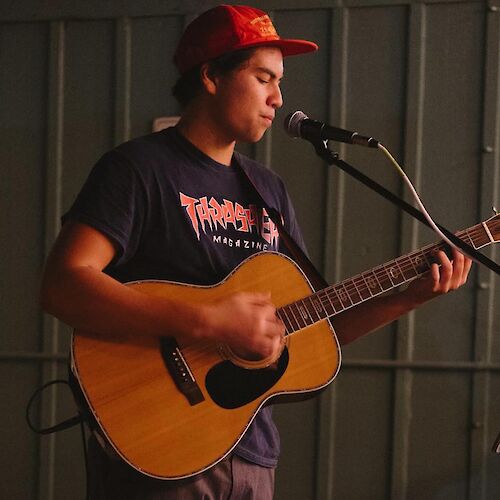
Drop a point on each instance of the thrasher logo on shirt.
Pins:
(209, 215)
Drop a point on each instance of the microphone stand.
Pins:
(332, 158)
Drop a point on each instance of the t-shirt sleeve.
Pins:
(112, 200)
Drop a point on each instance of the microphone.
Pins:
(298, 124)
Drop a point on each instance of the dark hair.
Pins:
(189, 85)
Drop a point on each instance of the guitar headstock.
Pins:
(493, 225)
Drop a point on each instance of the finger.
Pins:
(275, 329)
(466, 269)
(259, 298)
(458, 267)
(435, 276)
(445, 272)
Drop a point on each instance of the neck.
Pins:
(199, 130)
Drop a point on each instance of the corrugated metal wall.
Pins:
(416, 407)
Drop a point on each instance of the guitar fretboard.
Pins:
(348, 293)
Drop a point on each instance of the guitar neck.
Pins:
(336, 298)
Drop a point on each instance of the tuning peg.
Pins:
(495, 211)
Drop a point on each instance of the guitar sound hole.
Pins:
(232, 386)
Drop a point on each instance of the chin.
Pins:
(252, 138)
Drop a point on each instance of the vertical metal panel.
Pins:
(89, 105)
(455, 40)
(68, 475)
(123, 70)
(485, 321)
(304, 86)
(23, 60)
(376, 52)
(492, 486)
(53, 175)
(363, 434)
(153, 73)
(437, 464)
(375, 103)
(22, 123)
(19, 456)
(326, 464)
(409, 230)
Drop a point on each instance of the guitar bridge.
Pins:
(179, 370)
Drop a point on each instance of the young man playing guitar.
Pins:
(175, 206)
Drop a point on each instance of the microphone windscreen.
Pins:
(292, 123)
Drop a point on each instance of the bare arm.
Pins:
(374, 314)
(76, 290)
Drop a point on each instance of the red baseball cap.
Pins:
(227, 28)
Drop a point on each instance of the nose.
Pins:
(275, 98)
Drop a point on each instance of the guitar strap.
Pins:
(315, 278)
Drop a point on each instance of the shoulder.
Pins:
(143, 158)
(145, 149)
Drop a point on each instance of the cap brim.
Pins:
(295, 47)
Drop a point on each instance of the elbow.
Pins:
(46, 298)
(49, 296)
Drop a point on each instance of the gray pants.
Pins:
(231, 479)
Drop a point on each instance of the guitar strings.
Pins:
(358, 284)
(342, 292)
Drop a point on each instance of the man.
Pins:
(147, 211)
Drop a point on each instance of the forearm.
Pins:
(372, 315)
(76, 290)
(376, 313)
(88, 299)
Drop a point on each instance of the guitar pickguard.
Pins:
(231, 386)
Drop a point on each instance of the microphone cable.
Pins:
(419, 202)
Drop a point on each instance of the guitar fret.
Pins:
(353, 281)
(313, 302)
(329, 304)
(470, 239)
(298, 317)
(365, 290)
(293, 320)
(426, 260)
(387, 275)
(304, 312)
(420, 264)
(374, 273)
(346, 292)
(407, 272)
(313, 305)
(396, 273)
(410, 258)
(488, 239)
(284, 317)
(341, 306)
(372, 283)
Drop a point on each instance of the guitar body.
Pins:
(152, 424)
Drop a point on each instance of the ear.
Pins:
(208, 80)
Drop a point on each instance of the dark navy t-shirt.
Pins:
(175, 214)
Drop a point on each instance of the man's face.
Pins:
(247, 98)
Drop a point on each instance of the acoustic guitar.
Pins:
(172, 410)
